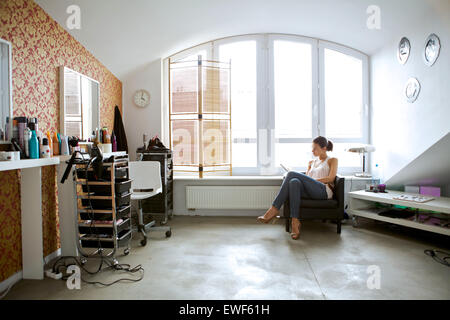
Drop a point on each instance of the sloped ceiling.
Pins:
(127, 34)
(431, 168)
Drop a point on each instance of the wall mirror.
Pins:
(79, 103)
(5, 90)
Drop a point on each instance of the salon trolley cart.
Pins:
(103, 207)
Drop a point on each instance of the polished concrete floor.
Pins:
(235, 258)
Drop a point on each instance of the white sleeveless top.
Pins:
(321, 169)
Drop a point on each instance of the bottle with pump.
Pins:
(34, 146)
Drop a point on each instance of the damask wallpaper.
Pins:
(40, 46)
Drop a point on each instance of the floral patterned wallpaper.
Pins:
(40, 46)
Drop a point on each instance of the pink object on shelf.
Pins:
(430, 191)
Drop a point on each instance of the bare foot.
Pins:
(295, 228)
(269, 215)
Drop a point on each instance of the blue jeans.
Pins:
(296, 186)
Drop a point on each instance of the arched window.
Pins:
(286, 90)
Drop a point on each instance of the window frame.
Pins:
(265, 88)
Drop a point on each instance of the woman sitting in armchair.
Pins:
(316, 184)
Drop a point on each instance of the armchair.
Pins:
(332, 209)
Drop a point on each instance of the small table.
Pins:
(31, 213)
(362, 205)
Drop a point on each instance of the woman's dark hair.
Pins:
(324, 142)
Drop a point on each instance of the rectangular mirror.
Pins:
(80, 104)
(5, 90)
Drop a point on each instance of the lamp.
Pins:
(363, 149)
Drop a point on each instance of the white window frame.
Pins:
(266, 92)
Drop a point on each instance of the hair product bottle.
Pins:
(34, 146)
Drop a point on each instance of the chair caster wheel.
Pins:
(126, 252)
(168, 234)
(144, 242)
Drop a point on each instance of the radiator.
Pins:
(230, 197)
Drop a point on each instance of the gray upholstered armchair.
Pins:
(332, 209)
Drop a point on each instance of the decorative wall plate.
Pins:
(412, 89)
(432, 48)
(404, 48)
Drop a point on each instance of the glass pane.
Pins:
(293, 154)
(346, 159)
(72, 93)
(73, 128)
(244, 154)
(243, 86)
(216, 142)
(184, 83)
(293, 89)
(343, 95)
(216, 89)
(185, 142)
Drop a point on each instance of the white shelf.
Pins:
(28, 163)
(440, 204)
(362, 205)
(373, 214)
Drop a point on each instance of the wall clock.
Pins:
(404, 48)
(141, 98)
(412, 89)
(432, 48)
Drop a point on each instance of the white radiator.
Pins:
(230, 197)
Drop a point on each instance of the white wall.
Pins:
(138, 121)
(401, 131)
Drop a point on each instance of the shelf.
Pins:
(28, 163)
(372, 213)
(440, 204)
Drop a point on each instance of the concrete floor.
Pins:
(236, 258)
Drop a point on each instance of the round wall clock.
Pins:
(412, 89)
(432, 48)
(141, 98)
(404, 48)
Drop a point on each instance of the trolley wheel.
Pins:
(126, 251)
(354, 221)
(144, 242)
(168, 233)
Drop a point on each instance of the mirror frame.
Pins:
(9, 44)
(62, 101)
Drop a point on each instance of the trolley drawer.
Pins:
(103, 228)
(122, 185)
(93, 241)
(101, 204)
(121, 213)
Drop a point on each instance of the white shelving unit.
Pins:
(31, 212)
(362, 204)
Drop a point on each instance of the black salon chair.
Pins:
(330, 209)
